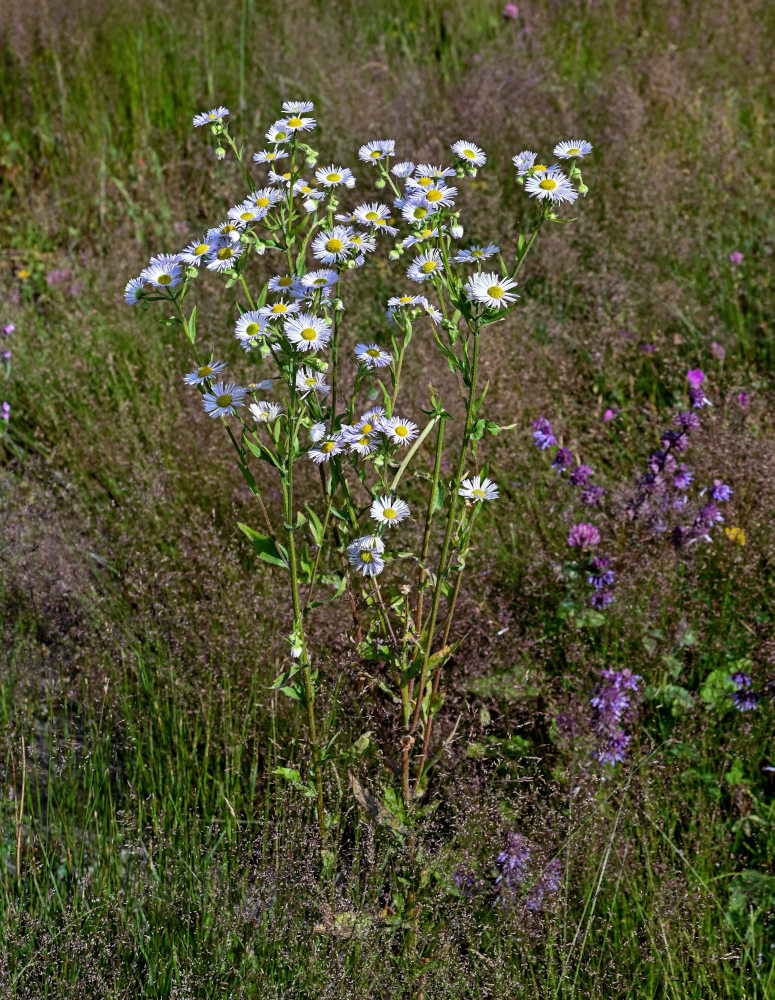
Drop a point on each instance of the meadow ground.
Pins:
(149, 846)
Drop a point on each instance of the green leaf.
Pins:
(716, 689)
(265, 548)
(192, 325)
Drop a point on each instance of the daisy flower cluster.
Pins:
(302, 393)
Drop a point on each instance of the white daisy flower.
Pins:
(308, 380)
(383, 226)
(364, 244)
(308, 332)
(223, 399)
(197, 249)
(133, 292)
(284, 283)
(524, 161)
(279, 309)
(225, 258)
(474, 254)
(332, 246)
(281, 180)
(317, 431)
(400, 431)
(332, 176)
(491, 289)
(301, 187)
(270, 155)
(204, 372)
(226, 232)
(368, 214)
(417, 210)
(263, 386)
(428, 170)
(433, 312)
(553, 185)
(246, 212)
(377, 149)
(265, 412)
(572, 148)
(478, 489)
(299, 123)
(469, 152)
(322, 278)
(298, 107)
(326, 449)
(250, 324)
(365, 554)
(427, 264)
(403, 169)
(162, 275)
(372, 357)
(422, 236)
(208, 117)
(278, 133)
(404, 302)
(265, 197)
(440, 196)
(389, 510)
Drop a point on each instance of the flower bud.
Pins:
(379, 183)
(394, 254)
(220, 152)
(457, 231)
(337, 303)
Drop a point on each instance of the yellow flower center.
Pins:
(252, 329)
(479, 494)
(420, 212)
(224, 399)
(262, 202)
(371, 216)
(406, 298)
(309, 334)
(333, 177)
(295, 122)
(539, 166)
(469, 153)
(425, 181)
(287, 175)
(373, 352)
(320, 281)
(434, 195)
(285, 281)
(375, 154)
(200, 249)
(281, 135)
(367, 428)
(389, 513)
(225, 253)
(477, 253)
(307, 189)
(334, 245)
(573, 151)
(365, 556)
(247, 216)
(548, 184)
(495, 292)
(228, 228)
(311, 381)
(379, 222)
(401, 431)
(204, 371)
(364, 440)
(270, 156)
(327, 446)
(429, 266)
(164, 279)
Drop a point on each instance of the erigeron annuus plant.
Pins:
(311, 402)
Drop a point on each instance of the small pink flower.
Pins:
(511, 11)
(743, 399)
(736, 257)
(610, 414)
(695, 377)
(718, 351)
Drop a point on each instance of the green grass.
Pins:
(149, 846)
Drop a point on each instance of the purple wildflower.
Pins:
(718, 351)
(512, 861)
(648, 348)
(6, 411)
(695, 377)
(580, 475)
(709, 514)
(547, 885)
(583, 536)
(466, 882)
(8, 329)
(563, 459)
(743, 400)
(736, 257)
(511, 11)
(542, 433)
(591, 496)
(743, 698)
(688, 421)
(740, 679)
(720, 491)
(601, 599)
(698, 398)
(616, 749)
(683, 477)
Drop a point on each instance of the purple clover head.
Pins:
(709, 514)
(542, 433)
(720, 491)
(736, 258)
(610, 415)
(745, 700)
(583, 536)
(740, 679)
(8, 329)
(695, 377)
(563, 459)
(581, 475)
